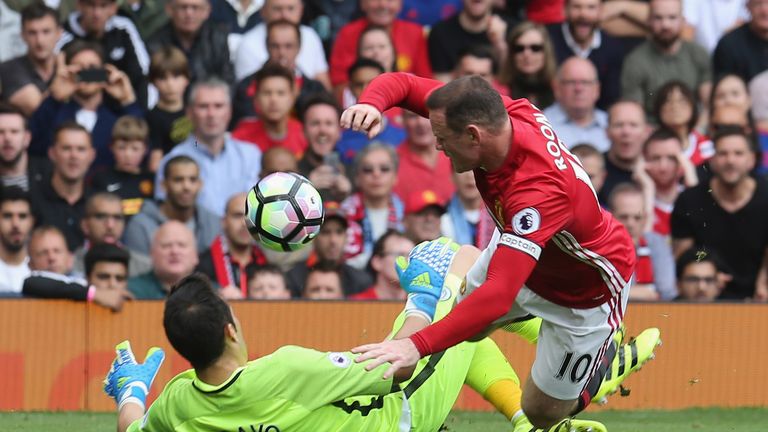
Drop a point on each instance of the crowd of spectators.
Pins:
(131, 130)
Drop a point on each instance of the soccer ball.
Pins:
(284, 211)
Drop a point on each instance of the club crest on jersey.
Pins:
(526, 221)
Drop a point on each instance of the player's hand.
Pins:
(362, 118)
(128, 381)
(399, 353)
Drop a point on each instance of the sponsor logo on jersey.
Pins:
(521, 244)
(526, 221)
(339, 360)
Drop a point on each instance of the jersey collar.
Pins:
(211, 389)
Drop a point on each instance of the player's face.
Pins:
(733, 160)
(174, 253)
(731, 91)
(627, 130)
(128, 155)
(289, 10)
(330, 242)
(662, 163)
(283, 46)
(274, 99)
(14, 139)
(105, 222)
(666, 21)
(583, 17)
(376, 176)
(629, 210)
(699, 282)
(188, 16)
(528, 50)
(376, 45)
(210, 112)
(321, 127)
(419, 131)
(381, 12)
(95, 13)
(323, 286)
(109, 276)
(424, 225)
(471, 65)
(268, 286)
(676, 111)
(71, 154)
(41, 36)
(15, 225)
(182, 185)
(233, 223)
(49, 252)
(457, 146)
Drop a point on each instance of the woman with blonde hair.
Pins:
(530, 65)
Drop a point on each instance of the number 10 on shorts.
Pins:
(578, 369)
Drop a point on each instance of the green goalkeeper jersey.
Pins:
(293, 389)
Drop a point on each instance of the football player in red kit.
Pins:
(556, 254)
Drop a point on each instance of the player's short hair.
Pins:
(469, 100)
(38, 10)
(15, 193)
(194, 320)
(177, 160)
(105, 252)
(663, 133)
(322, 98)
(284, 23)
(130, 128)
(628, 188)
(362, 63)
(168, 60)
(697, 255)
(274, 70)
(79, 45)
(90, 204)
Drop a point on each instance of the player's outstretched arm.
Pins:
(128, 382)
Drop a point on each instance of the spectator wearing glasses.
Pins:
(575, 116)
(104, 222)
(375, 207)
(697, 276)
(386, 284)
(530, 64)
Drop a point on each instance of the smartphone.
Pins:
(92, 75)
(333, 160)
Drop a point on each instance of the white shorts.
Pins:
(571, 342)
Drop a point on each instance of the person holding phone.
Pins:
(91, 93)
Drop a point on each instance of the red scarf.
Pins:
(223, 265)
(360, 232)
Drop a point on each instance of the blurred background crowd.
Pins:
(130, 131)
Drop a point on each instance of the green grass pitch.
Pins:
(693, 420)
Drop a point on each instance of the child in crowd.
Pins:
(268, 283)
(128, 179)
(168, 124)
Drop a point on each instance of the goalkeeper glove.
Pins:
(128, 381)
(423, 276)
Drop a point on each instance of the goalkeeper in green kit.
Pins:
(299, 389)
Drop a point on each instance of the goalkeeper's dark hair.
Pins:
(194, 320)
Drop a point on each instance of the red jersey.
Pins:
(558, 240)
(662, 218)
(700, 148)
(253, 131)
(644, 268)
(408, 38)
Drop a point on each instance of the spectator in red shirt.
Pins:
(676, 108)
(409, 40)
(422, 166)
(386, 285)
(273, 103)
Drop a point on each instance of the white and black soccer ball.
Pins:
(284, 211)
